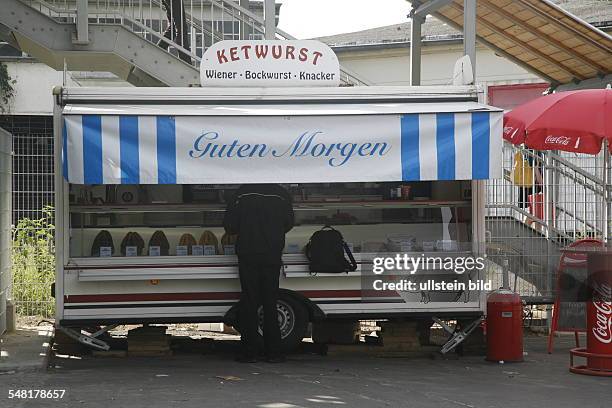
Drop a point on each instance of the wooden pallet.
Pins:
(109, 353)
(149, 341)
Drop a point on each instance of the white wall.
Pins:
(36, 80)
(33, 87)
(392, 66)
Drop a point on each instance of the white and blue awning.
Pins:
(419, 142)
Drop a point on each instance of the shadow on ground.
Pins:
(210, 378)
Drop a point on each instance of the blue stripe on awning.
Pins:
(65, 149)
(128, 139)
(445, 143)
(480, 145)
(166, 150)
(411, 168)
(92, 149)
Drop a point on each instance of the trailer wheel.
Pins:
(292, 321)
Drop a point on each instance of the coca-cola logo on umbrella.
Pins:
(560, 141)
(510, 132)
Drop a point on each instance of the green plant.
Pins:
(34, 265)
(7, 92)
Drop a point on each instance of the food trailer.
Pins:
(145, 175)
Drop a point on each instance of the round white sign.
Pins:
(269, 63)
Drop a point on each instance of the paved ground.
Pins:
(308, 380)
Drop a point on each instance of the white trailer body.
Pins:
(431, 204)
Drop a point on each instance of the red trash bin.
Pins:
(504, 326)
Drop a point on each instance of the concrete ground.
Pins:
(25, 349)
(305, 380)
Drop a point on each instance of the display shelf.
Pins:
(329, 204)
(206, 267)
(139, 208)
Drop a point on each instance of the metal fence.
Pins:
(33, 185)
(527, 226)
(33, 192)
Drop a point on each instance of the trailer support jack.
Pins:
(457, 335)
(90, 340)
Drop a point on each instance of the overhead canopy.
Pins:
(285, 143)
(540, 36)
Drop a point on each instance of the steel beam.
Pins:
(469, 33)
(427, 8)
(243, 25)
(82, 22)
(415, 50)
(270, 19)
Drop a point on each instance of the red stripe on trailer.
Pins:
(148, 297)
(347, 293)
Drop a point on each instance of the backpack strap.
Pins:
(350, 256)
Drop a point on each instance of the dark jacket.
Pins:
(260, 214)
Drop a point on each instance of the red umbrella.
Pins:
(573, 121)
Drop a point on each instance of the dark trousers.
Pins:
(177, 30)
(259, 281)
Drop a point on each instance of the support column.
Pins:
(244, 28)
(415, 50)
(605, 196)
(469, 32)
(549, 215)
(270, 19)
(82, 22)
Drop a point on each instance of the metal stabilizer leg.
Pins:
(457, 336)
(89, 339)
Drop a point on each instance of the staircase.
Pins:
(127, 37)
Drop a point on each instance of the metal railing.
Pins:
(527, 226)
(185, 28)
(33, 192)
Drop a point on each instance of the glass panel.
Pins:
(373, 217)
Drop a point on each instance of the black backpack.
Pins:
(325, 251)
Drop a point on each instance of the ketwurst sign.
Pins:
(269, 63)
